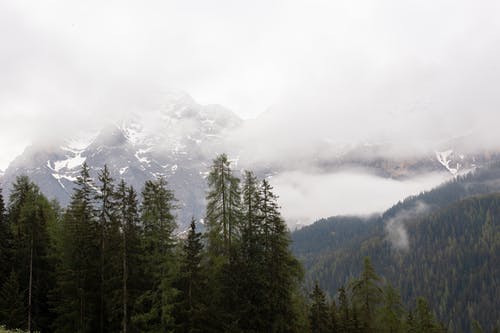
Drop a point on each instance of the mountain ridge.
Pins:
(178, 138)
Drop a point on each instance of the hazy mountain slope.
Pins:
(437, 244)
(178, 138)
(177, 141)
(334, 232)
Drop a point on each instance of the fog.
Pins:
(307, 197)
(396, 226)
(311, 77)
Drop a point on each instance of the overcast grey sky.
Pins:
(342, 70)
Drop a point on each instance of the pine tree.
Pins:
(223, 207)
(23, 191)
(366, 295)
(110, 263)
(36, 215)
(251, 270)
(410, 324)
(223, 215)
(78, 272)
(356, 326)
(6, 244)
(344, 312)
(425, 321)
(191, 308)
(283, 270)
(390, 314)
(154, 309)
(318, 312)
(251, 205)
(2, 207)
(334, 317)
(270, 211)
(29, 216)
(128, 217)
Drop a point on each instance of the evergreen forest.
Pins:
(114, 260)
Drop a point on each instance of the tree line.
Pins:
(114, 261)
(369, 304)
(452, 258)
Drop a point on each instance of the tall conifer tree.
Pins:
(110, 263)
(154, 312)
(223, 206)
(29, 216)
(131, 264)
(191, 307)
(78, 270)
(5, 244)
(366, 295)
(282, 269)
(319, 318)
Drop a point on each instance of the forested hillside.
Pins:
(113, 261)
(437, 245)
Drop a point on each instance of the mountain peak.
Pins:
(175, 140)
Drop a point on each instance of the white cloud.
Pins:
(306, 197)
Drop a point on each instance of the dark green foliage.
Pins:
(12, 308)
(391, 314)
(223, 216)
(370, 307)
(366, 294)
(344, 314)
(110, 264)
(154, 305)
(334, 317)
(318, 312)
(77, 301)
(127, 215)
(410, 324)
(476, 328)
(110, 254)
(424, 318)
(451, 257)
(191, 307)
(2, 207)
(29, 216)
(256, 277)
(6, 243)
(223, 206)
(252, 286)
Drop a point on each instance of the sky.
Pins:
(411, 72)
(412, 68)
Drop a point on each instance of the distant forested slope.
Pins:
(443, 245)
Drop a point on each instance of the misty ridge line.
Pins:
(306, 176)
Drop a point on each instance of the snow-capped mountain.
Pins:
(179, 138)
(456, 163)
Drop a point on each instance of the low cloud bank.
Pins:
(306, 197)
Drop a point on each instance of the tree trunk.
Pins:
(30, 285)
(125, 276)
(101, 312)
